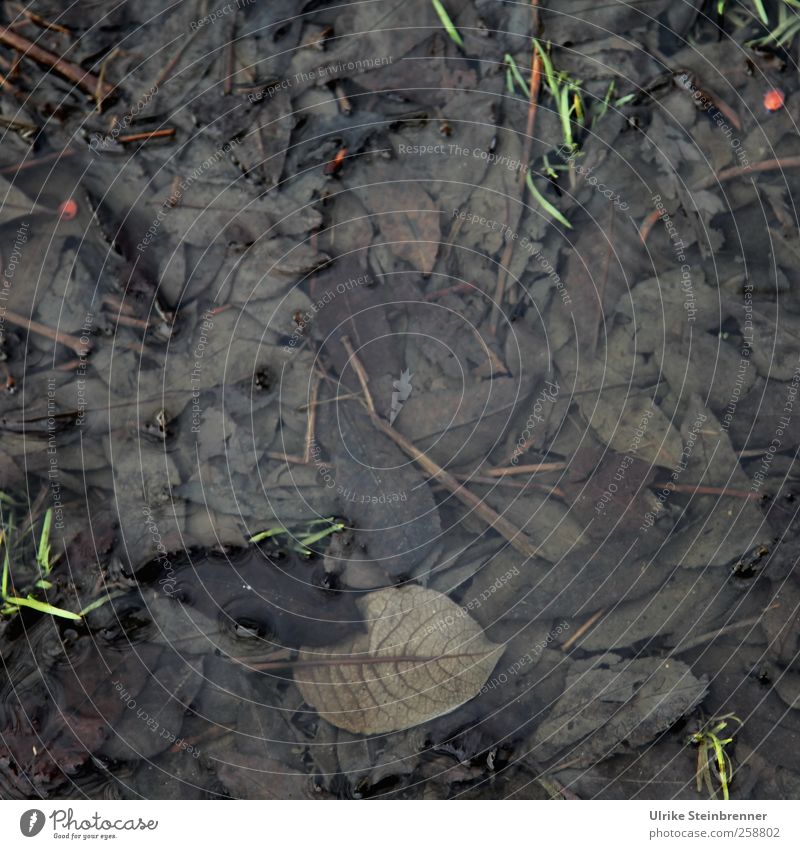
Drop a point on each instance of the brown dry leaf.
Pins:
(609, 702)
(437, 658)
(620, 418)
(408, 218)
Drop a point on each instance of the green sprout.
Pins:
(43, 551)
(301, 543)
(566, 92)
(513, 75)
(762, 12)
(781, 35)
(305, 541)
(270, 532)
(447, 23)
(544, 203)
(11, 603)
(628, 98)
(603, 108)
(787, 28)
(711, 755)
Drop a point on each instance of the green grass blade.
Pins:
(312, 538)
(99, 602)
(6, 568)
(563, 111)
(603, 108)
(544, 203)
(43, 607)
(512, 67)
(43, 552)
(762, 12)
(270, 532)
(549, 73)
(786, 30)
(447, 23)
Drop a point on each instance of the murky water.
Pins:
(374, 426)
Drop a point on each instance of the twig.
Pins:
(531, 468)
(500, 286)
(287, 458)
(230, 62)
(719, 632)
(506, 529)
(360, 372)
(41, 160)
(170, 66)
(691, 489)
(754, 168)
(568, 644)
(118, 304)
(542, 487)
(40, 21)
(527, 145)
(98, 94)
(43, 330)
(499, 368)
(74, 73)
(312, 416)
(131, 321)
(533, 100)
(167, 132)
(648, 224)
(9, 86)
(346, 397)
(70, 365)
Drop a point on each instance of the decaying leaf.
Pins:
(608, 702)
(436, 659)
(619, 417)
(409, 219)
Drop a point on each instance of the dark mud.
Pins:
(313, 311)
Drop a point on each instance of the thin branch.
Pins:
(506, 529)
(360, 373)
(312, 417)
(589, 623)
(74, 73)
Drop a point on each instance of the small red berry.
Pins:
(774, 99)
(68, 209)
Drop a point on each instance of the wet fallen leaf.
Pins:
(409, 219)
(617, 416)
(421, 657)
(608, 702)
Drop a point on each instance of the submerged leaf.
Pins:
(420, 658)
(609, 702)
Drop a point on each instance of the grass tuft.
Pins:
(447, 23)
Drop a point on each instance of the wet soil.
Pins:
(307, 303)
